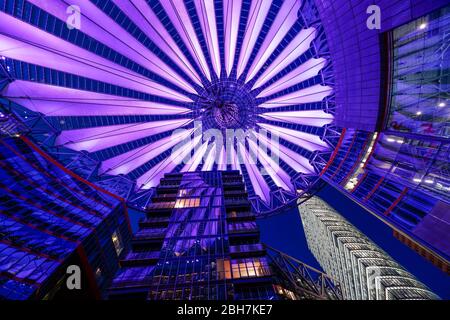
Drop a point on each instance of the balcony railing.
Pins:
(153, 221)
(237, 201)
(245, 215)
(243, 230)
(246, 248)
(149, 235)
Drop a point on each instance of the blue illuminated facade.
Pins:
(200, 241)
(51, 219)
(401, 173)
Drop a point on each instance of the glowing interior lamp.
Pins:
(441, 104)
(422, 26)
(390, 140)
(429, 181)
(417, 180)
(418, 113)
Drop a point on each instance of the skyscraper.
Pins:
(365, 270)
(200, 240)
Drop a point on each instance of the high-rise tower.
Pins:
(200, 241)
(364, 269)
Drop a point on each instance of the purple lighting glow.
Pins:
(146, 88)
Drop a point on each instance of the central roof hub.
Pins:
(227, 104)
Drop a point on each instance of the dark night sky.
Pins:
(285, 233)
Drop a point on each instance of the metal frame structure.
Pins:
(305, 281)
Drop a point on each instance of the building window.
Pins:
(98, 273)
(420, 70)
(251, 267)
(223, 269)
(187, 203)
(117, 241)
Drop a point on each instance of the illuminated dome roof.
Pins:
(114, 98)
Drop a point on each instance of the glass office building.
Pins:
(51, 219)
(199, 241)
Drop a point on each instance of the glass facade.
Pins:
(198, 241)
(401, 180)
(50, 219)
(420, 101)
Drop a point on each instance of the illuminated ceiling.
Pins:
(109, 99)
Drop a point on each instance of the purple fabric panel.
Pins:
(152, 177)
(315, 93)
(207, 18)
(232, 158)
(259, 184)
(278, 175)
(316, 118)
(257, 16)
(305, 140)
(30, 44)
(126, 162)
(101, 27)
(61, 101)
(284, 20)
(99, 138)
(210, 158)
(152, 27)
(303, 72)
(295, 49)
(163, 39)
(176, 10)
(231, 13)
(293, 159)
(222, 164)
(196, 159)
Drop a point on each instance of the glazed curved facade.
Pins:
(400, 173)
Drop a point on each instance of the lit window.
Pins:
(252, 267)
(187, 203)
(223, 269)
(98, 273)
(117, 242)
